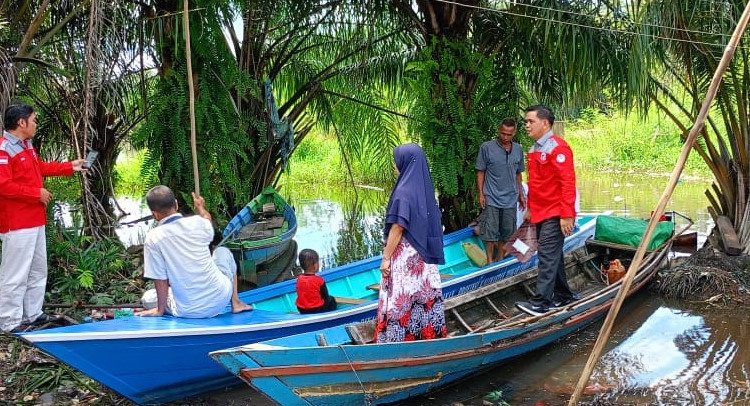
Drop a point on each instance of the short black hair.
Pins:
(543, 112)
(218, 238)
(508, 122)
(160, 198)
(308, 258)
(16, 112)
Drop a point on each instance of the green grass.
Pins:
(603, 142)
(317, 160)
(618, 142)
(128, 177)
(615, 142)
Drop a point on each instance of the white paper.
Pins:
(521, 246)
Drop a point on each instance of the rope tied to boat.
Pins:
(367, 396)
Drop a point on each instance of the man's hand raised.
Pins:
(199, 204)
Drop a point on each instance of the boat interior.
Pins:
(493, 307)
(362, 284)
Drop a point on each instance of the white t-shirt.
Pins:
(177, 250)
(224, 259)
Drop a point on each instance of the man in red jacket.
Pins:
(23, 202)
(551, 204)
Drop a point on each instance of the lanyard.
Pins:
(171, 219)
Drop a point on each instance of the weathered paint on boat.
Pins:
(297, 370)
(262, 250)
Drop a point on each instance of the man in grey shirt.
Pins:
(499, 166)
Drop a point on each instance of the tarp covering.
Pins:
(629, 231)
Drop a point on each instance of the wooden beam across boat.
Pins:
(349, 300)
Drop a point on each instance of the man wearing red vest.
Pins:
(23, 202)
(551, 204)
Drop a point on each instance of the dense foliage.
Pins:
(221, 148)
(453, 118)
(359, 73)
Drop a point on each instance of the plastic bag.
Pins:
(522, 243)
(629, 231)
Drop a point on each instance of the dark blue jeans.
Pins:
(552, 281)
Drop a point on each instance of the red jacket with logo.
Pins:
(552, 180)
(21, 174)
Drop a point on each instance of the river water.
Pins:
(343, 227)
(660, 353)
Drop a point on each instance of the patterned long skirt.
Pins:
(410, 305)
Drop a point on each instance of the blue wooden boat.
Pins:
(337, 366)
(260, 233)
(160, 359)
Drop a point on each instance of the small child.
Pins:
(312, 293)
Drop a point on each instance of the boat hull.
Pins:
(296, 370)
(265, 249)
(154, 360)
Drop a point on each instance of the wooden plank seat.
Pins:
(349, 300)
(606, 244)
(361, 333)
(261, 229)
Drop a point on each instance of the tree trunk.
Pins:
(445, 27)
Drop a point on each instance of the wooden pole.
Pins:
(191, 93)
(679, 166)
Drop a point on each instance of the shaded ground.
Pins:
(29, 377)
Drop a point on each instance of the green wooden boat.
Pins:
(262, 232)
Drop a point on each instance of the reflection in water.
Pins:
(361, 235)
(128, 209)
(342, 226)
(660, 353)
(635, 195)
(677, 357)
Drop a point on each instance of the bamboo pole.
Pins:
(191, 92)
(679, 166)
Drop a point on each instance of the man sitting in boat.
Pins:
(312, 293)
(176, 256)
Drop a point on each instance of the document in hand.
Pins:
(522, 243)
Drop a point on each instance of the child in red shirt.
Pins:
(312, 293)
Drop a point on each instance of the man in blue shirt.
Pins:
(499, 166)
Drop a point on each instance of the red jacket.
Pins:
(310, 291)
(21, 174)
(552, 180)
